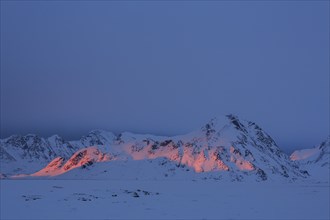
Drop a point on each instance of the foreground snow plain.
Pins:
(168, 199)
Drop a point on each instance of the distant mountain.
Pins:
(26, 154)
(315, 160)
(319, 155)
(225, 148)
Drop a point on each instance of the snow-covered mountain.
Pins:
(315, 160)
(82, 158)
(29, 153)
(224, 148)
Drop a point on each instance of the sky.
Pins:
(165, 68)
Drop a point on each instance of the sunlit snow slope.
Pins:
(225, 148)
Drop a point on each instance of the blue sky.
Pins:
(165, 67)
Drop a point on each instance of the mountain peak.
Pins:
(226, 145)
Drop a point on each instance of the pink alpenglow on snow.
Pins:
(82, 158)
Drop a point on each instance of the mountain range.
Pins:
(226, 148)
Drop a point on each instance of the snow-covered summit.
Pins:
(227, 146)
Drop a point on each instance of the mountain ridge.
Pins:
(224, 145)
